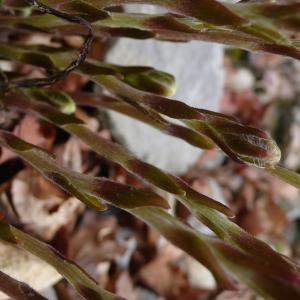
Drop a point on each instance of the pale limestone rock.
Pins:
(25, 267)
(198, 68)
(199, 276)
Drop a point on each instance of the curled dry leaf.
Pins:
(266, 218)
(152, 273)
(33, 131)
(36, 132)
(242, 294)
(125, 288)
(41, 206)
(94, 246)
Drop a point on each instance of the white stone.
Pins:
(25, 267)
(242, 80)
(198, 275)
(198, 68)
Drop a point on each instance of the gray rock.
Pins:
(198, 68)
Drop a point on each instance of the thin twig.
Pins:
(73, 65)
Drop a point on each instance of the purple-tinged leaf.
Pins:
(224, 228)
(258, 35)
(209, 11)
(240, 242)
(116, 153)
(108, 102)
(266, 278)
(252, 262)
(242, 143)
(184, 238)
(119, 195)
(91, 13)
(90, 190)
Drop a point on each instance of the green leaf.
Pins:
(154, 81)
(26, 56)
(286, 175)
(59, 99)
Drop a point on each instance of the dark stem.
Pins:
(73, 65)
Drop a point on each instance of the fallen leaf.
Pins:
(41, 206)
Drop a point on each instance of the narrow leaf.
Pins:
(116, 153)
(286, 175)
(242, 143)
(90, 190)
(108, 102)
(80, 280)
